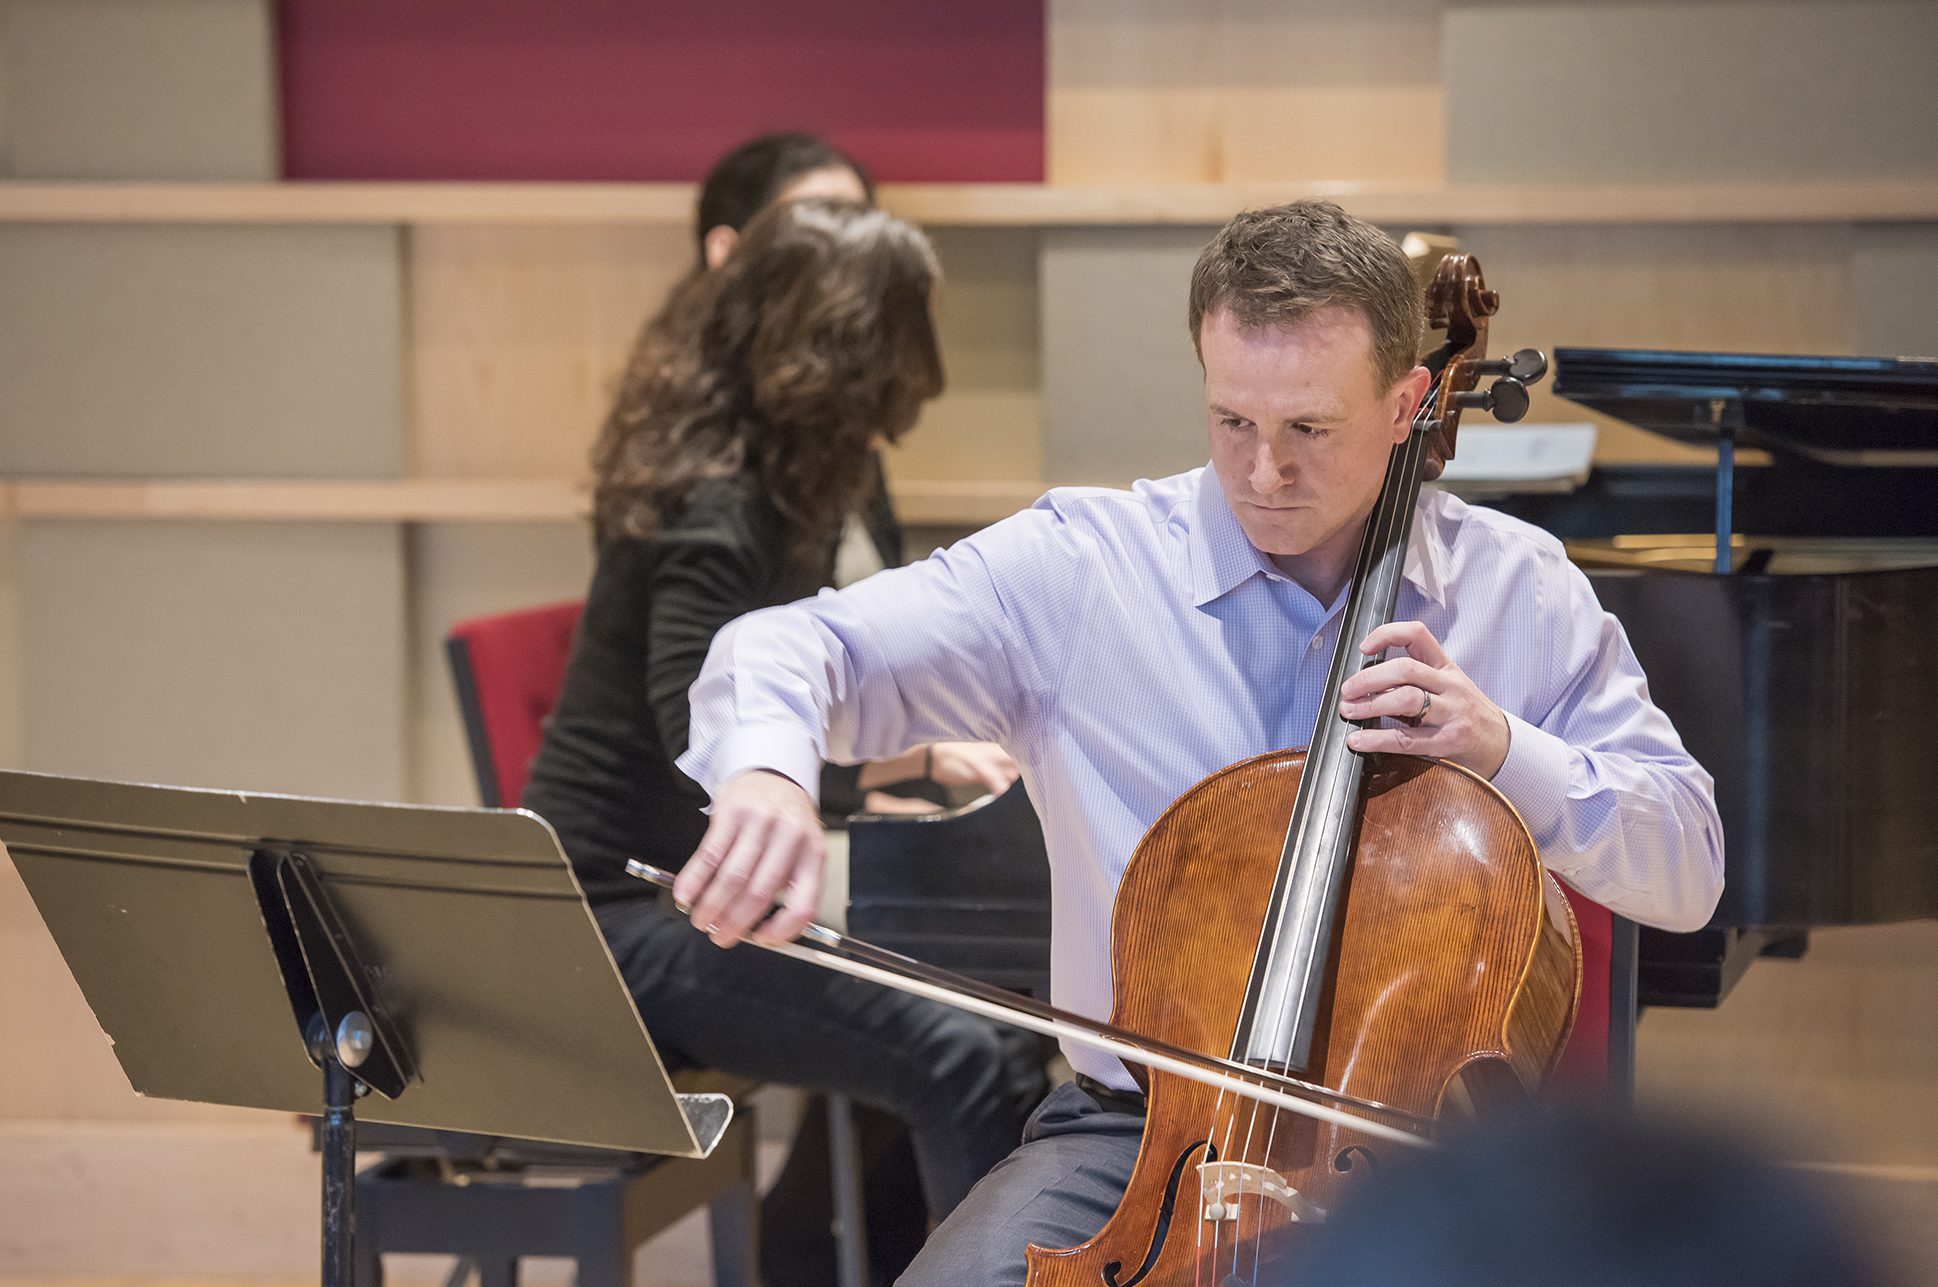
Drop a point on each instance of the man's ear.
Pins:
(1412, 388)
(718, 244)
(1407, 393)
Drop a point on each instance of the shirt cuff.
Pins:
(778, 748)
(1534, 777)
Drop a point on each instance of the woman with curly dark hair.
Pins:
(804, 350)
(738, 446)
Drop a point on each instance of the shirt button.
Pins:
(1317, 640)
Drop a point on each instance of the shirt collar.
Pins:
(1222, 558)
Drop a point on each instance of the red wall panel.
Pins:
(642, 91)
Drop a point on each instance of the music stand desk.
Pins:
(428, 967)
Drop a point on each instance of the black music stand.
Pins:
(293, 954)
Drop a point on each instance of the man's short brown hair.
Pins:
(1276, 266)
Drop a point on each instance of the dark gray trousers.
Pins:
(963, 1084)
(1056, 1190)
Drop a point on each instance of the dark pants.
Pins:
(963, 1085)
(1056, 1190)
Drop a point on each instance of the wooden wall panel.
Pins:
(519, 336)
(1210, 91)
(163, 1204)
(175, 350)
(141, 89)
(1668, 89)
(1774, 289)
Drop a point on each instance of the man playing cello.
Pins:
(1122, 645)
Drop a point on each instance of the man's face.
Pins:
(1300, 428)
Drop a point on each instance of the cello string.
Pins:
(1327, 747)
(1392, 513)
(1318, 777)
(1388, 515)
(1391, 516)
(1200, 1263)
(1410, 455)
(1381, 569)
(1405, 457)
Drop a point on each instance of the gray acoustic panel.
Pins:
(141, 89)
(1894, 291)
(255, 656)
(1123, 396)
(463, 570)
(1690, 90)
(177, 350)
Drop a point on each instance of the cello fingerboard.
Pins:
(1289, 969)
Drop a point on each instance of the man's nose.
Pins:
(1268, 470)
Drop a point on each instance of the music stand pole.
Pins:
(339, 1173)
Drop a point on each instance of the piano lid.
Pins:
(1850, 411)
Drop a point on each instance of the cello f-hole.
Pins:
(1164, 1213)
(1345, 1158)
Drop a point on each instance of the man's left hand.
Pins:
(1459, 723)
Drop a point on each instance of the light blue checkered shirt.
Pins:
(1123, 645)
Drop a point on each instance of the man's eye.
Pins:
(1231, 422)
(1310, 431)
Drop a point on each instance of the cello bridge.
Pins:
(1222, 1184)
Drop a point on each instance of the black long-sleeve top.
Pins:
(604, 776)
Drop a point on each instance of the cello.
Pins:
(1314, 951)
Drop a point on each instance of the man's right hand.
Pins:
(764, 842)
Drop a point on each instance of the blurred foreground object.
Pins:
(1586, 1200)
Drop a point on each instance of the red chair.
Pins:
(508, 670)
(1599, 1058)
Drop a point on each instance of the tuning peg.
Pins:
(1526, 366)
(1506, 399)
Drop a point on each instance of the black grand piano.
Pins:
(1786, 614)
(1785, 609)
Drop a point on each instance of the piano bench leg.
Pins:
(850, 1231)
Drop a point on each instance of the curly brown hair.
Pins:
(811, 342)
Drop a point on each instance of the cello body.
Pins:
(1455, 955)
